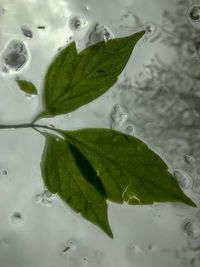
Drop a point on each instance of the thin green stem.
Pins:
(28, 125)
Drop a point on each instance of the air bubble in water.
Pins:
(99, 33)
(150, 28)
(194, 13)
(189, 159)
(77, 23)
(183, 179)
(152, 31)
(15, 55)
(26, 32)
(17, 217)
(192, 228)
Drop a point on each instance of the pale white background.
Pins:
(159, 104)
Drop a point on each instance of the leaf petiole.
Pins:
(28, 125)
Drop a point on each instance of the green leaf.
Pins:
(27, 87)
(73, 80)
(63, 176)
(128, 169)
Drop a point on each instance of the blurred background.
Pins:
(156, 98)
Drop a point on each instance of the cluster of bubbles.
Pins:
(45, 198)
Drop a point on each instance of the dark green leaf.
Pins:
(62, 175)
(129, 170)
(73, 80)
(87, 170)
(27, 87)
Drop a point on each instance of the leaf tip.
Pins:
(109, 233)
(138, 35)
(190, 203)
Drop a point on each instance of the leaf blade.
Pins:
(73, 80)
(27, 87)
(129, 170)
(66, 179)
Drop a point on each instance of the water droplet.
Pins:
(99, 33)
(189, 159)
(119, 116)
(15, 55)
(194, 13)
(26, 32)
(183, 179)
(192, 228)
(17, 217)
(77, 23)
